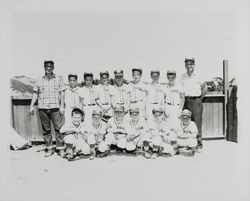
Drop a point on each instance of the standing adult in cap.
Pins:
(119, 92)
(103, 91)
(138, 92)
(88, 96)
(49, 90)
(174, 99)
(72, 99)
(194, 93)
(155, 93)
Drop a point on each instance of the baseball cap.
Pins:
(48, 61)
(118, 73)
(97, 111)
(171, 72)
(154, 71)
(88, 74)
(134, 109)
(186, 112)
(104, 73)
(119, 108)
(72, 75)
(137, 69)
(189, 59)
(158, 109)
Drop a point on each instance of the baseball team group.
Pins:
(96, 117)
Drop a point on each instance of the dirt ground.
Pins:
(214, 174)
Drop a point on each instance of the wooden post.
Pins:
(225, 83)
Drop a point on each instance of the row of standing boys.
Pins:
(154, 117)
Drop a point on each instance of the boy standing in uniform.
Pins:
(119, 92)
(187, 132)
(138, 92)
(174, 99)
(155, 93)
(88, 96)
(103, 91)
(72, 99)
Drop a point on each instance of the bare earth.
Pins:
(214, 174)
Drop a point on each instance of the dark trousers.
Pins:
(46, 116)
(194, 104)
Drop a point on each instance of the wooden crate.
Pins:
(212, 117)
(27, 125)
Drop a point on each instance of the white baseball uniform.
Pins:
(96, 135)
(116, 133)
(162, 136)
(137, 95)
(186, 135)
(105, 98)
(173, 104)
(72, 100)
(155, 97)
(77, 140)
(88, 97)
(136, 133)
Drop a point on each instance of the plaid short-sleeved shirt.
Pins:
(48, 91)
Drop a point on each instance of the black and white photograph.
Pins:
(125, 100)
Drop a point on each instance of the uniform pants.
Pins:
(46, 116)
(194, 104)
(172, 112)
(78, 143)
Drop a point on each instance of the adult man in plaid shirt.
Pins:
(49, 91)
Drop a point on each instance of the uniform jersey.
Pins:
(89, 95)
(155, 93)
(172, 94)
(113, 126)
(191, 84)
(100, 130)
(162, 128)
(189, 131)
(72, 97)
(69, 126)
(104, 94)
(137, 92)
(141, 126)
(120, 95)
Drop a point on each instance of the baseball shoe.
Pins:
(49, 153)
(154, 155)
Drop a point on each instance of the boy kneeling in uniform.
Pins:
(117, 133)
(96, 135)
(161, 138)
(136, 127)
(187, 132)
(74, 136)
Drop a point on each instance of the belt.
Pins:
(120, 103)
(172, 104)
(105, 103)
(92, 104)
(192, 97)
(136, 101)
(154, 103)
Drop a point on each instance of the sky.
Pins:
(107, 35)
